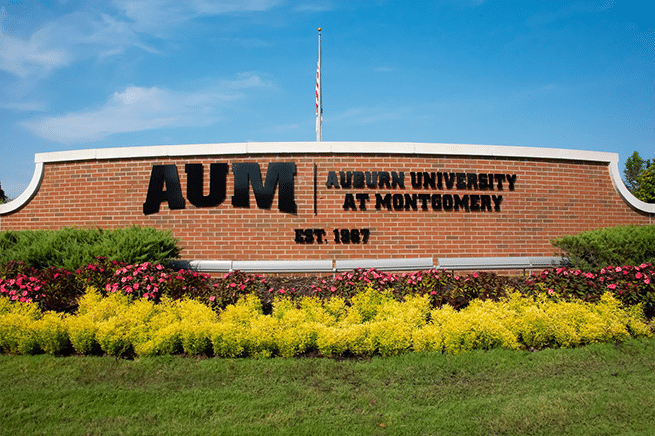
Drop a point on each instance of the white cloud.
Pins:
(138, 108)
(25, 56)
(156, 16)
(373, 115)
(58, 43)
(25, 107)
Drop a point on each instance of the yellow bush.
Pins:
(261, 338)
(52, 333)
(293, 340)
(332, 341)
(113, 335)
(369, 301)
(391, 337)
(428, 339)
(155, 327)
(5, 305)
(415, 311)
(474, 327)
(18, 334)
(82, 334)
(196, 322)
(637, 324)
(102, 309)
(243, 311)
(296, 330)
(360, 341)
(89, 301)
(315, 311)
(229, 339)
(375, 323)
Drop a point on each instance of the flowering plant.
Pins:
(52, 288)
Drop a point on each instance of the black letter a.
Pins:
(156, 195)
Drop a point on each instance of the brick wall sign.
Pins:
(307, 201)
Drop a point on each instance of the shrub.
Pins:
(18, 334)
(196, 321)
(52, 333)
(82, 334)
(622, 245)
(73, 248)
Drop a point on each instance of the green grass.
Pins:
(595, 390)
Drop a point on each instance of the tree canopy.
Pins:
(646, 185)
(639, 177)
(3, 197)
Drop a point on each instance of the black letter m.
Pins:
(277, 172)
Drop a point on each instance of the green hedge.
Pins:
(72, 248)
(622, 245)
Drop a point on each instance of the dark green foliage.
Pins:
(3, 197)
(634, 166)
(622, 245)
(73, 248)
(646, 185)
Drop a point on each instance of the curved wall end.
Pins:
(627, 196)
(27, 195)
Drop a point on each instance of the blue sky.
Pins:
(94, 74)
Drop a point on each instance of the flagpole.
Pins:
(319, 96)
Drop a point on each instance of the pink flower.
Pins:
(476, 275)
(242, 287)
(233, 285)
(212, 298)
(333, 289)
(638, 275)
(612, 286)
(618, 269)
(647, 281)
(433, 292)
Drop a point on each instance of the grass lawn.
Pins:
(595, 390)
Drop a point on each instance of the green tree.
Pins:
(646, 185)
(634, 166)
(3, 197)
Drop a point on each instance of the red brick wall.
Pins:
(551, 198)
